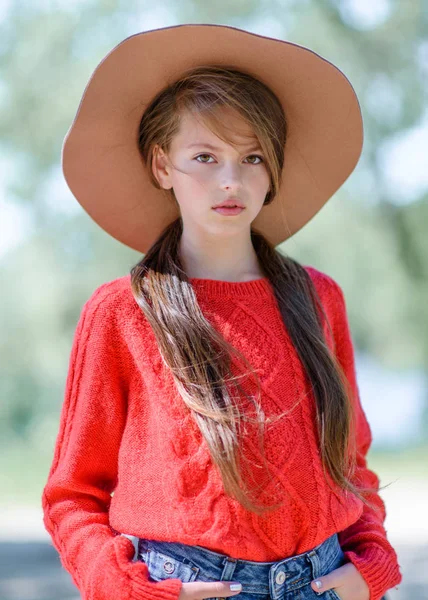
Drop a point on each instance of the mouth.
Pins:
(228, 210)
(229, 205)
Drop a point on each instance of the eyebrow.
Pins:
(206, 145)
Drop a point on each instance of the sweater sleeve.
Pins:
(77, 494)
(364, 543)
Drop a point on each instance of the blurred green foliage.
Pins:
(374, 247)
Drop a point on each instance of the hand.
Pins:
(347, 581)
(197, 590)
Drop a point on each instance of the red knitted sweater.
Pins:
(129, 459)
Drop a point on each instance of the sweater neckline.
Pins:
(217, 287)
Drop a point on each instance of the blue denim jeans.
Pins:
(284, 579)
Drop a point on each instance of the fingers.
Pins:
(332, 579)
(321, 584)
(197, 590)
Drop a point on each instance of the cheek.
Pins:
(258, 177)
(188, 184)
(192, 198)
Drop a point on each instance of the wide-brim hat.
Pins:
(105, 170)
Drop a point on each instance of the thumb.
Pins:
(208, 589)
(321, 584)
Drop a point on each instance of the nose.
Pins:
(231, 176)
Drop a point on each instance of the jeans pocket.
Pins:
(165, 566)
(334, 595)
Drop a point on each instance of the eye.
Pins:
(250, 156)
(256, 156)
(196, 157)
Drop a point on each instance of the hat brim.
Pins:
(106, 173)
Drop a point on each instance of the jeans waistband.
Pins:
(274, 578)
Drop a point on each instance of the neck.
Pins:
(230, 258)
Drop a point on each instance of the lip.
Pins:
(229, 203)
(228, 210)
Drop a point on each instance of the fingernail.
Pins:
(235, 587)
(318, 583)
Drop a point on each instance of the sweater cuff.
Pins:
(115, 575)
(380, 570)
(138, 573)
(169, 589)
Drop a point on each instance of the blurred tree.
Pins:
(374, 246)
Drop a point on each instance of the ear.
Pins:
(160, 168)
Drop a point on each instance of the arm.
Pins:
(83, 473)
(364, 543)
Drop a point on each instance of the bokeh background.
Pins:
(371, 237)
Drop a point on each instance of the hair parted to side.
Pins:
(198, 356)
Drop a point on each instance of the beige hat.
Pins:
(104, 168)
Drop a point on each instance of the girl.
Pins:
(212, 412)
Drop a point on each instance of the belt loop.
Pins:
(229, 568)
(313, 558)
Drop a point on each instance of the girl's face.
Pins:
(204, 171)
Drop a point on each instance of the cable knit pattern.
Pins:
(129, 458)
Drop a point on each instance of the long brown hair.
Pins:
(198, 356)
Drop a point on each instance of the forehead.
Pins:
(194, 130)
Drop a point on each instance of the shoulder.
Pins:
(109, 303)
(331, 296)
(111, 292)
(327, 287)
(99, 340)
